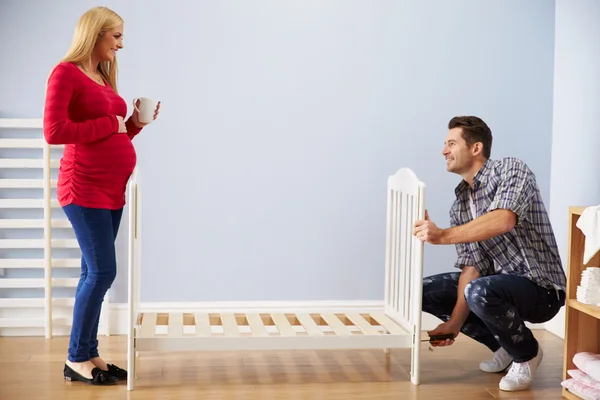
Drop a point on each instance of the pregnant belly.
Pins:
(109, 160)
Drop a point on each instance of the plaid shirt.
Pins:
(529, 249)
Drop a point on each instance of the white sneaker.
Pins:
(520, 376)
(499, 363)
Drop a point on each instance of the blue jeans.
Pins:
(96, 230)
(500, 305)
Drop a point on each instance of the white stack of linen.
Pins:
(588, 291)
(584, 381)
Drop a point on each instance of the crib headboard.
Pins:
(404, 252)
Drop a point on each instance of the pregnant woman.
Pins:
(84, 111)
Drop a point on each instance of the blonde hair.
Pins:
(93, 24)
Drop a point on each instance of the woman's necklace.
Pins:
(93, 75)
(97, 77)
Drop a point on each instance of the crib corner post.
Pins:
(418, 300)
(415, 365)
(131, 362)
(132, 284)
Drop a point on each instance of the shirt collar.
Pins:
(480, 177)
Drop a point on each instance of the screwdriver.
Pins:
(439, 338)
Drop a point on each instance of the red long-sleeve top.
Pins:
(97, 160)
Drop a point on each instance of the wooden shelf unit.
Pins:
(582, 324)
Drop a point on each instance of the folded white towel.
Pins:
(591, 272)
(588, 291)
(589, 223)
(584, 378)
(588, 363)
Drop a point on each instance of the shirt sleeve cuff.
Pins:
(470, 256)
(508, 204)
(132, 130)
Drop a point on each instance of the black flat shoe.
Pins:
(99, 377)
(117, 372)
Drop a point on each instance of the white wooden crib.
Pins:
(396, 325)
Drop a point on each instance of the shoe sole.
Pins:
(532, 378)
(497, 372)
(73, 379)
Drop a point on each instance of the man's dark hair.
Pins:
(474, 130)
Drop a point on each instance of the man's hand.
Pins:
(445, 328)
(426, 231)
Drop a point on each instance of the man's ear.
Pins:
(477, 148)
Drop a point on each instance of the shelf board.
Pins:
(577, 210)
(593, 311)
(568, 395)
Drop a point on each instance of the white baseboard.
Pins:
(117, 313)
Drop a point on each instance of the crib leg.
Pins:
(415, 367)
(131, 362)
(387, 349)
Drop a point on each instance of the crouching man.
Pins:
(509, 268)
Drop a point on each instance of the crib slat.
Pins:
(284, 326)
(202, 321)
(230, 327)
(362, 324)
(338, 326)
(395, 245)
(148, 328)
(175, 328)
(256, 325)
(402, 235)
(310, 325)
(388, 324)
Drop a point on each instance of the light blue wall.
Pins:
(265, 177)
(576, 137)
(576, 129)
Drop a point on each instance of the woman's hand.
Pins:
(135, 117)
(122, 126)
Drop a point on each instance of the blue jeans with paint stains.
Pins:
(500, 305)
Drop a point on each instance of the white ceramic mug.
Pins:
(146, 109)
